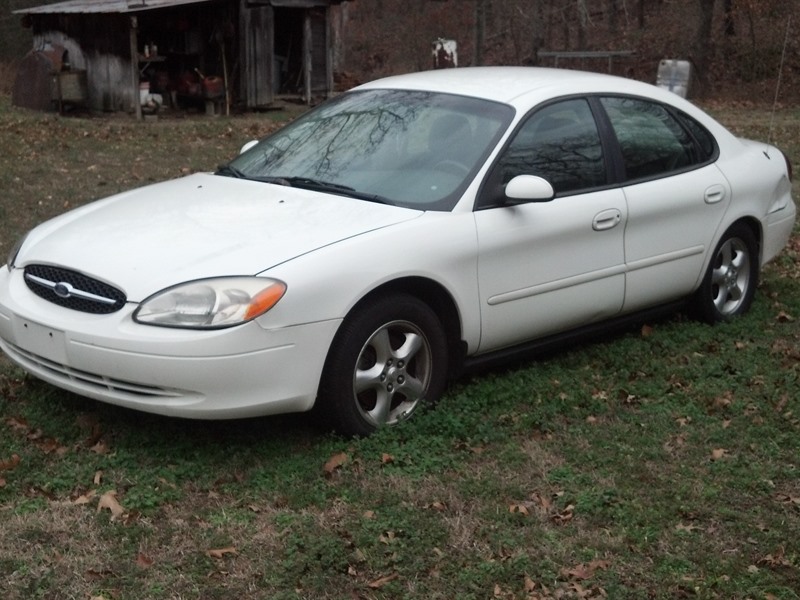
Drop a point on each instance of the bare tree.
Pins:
(702, 42)
(480, 30)
(538, 29)
(730, 39)
(582, 13)
(730, 27)
(612, 8)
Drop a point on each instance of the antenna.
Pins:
(778, 84)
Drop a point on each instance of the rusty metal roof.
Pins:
(104, 6)
(132, 6)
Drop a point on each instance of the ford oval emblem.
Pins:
(62, 289)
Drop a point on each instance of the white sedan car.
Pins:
(361, 256)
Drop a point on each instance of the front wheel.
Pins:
(731, 279)
(388, 358)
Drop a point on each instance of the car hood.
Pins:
(199, 226)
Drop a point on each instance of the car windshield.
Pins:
(405, 148)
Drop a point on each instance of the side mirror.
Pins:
(529, 188)
(247, 146)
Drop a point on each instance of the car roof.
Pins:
(510, 84)
(526, 87)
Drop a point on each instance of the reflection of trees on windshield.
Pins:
(391, 144)
(322, 147)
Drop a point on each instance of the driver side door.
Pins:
(546, 267)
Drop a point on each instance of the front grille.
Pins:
(73, 290)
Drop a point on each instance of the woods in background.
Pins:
(729, 42)
(734, 45)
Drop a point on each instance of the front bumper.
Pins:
(237, 372)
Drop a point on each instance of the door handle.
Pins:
(607, 219)
(714, 194)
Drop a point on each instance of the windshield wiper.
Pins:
(230, 171)
(308, 183)
(270, 179)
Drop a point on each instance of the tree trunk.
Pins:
(730, 27)
(612, 16)
(583, 22)
(702, 43)
(536, 33)
(480, 30)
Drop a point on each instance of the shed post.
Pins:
(134, 43)
(308, 47)
(329, 41)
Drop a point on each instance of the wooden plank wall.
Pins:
(256, 34)
(320, 47)
(100, 44)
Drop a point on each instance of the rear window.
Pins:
(652, 141)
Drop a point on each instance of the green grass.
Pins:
(656, 463)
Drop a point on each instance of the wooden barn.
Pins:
(124, 55)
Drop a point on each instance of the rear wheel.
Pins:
(731, 279)
(387, 359)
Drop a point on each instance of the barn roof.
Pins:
(104, 6)
(132, 6)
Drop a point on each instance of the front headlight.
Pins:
(12, 256)
(211, 303)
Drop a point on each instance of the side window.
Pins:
(705, 141)
(559, 143)
(653, 143)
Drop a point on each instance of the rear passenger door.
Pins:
(676, 198)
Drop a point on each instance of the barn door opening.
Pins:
(301, 52)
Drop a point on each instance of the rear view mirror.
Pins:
(247, 146)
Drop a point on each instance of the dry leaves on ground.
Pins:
(220, 552)
(334, 462)
(109, 501)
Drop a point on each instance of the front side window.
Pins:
(652, 142)
(560, 143)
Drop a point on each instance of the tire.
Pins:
(388, 358)
(731, 279)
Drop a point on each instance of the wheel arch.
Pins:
(704, 301)
(439, 299)
(755, 227)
